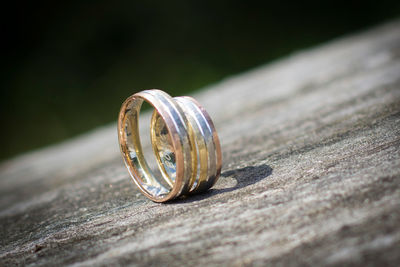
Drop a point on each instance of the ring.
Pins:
(184, 141)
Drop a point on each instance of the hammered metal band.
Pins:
(184, 141)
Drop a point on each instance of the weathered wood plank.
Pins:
(311, 175)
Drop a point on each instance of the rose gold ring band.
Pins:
(184, 140)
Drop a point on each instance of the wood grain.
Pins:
(311, 175)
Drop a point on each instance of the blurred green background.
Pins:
(68, 65)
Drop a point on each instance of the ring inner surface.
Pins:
(132, 149)
(163, 148)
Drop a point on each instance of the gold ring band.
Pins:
(184, 141)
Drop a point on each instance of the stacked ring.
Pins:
(184, 141)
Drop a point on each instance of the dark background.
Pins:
(68, 66)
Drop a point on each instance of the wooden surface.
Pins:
(311, 175)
